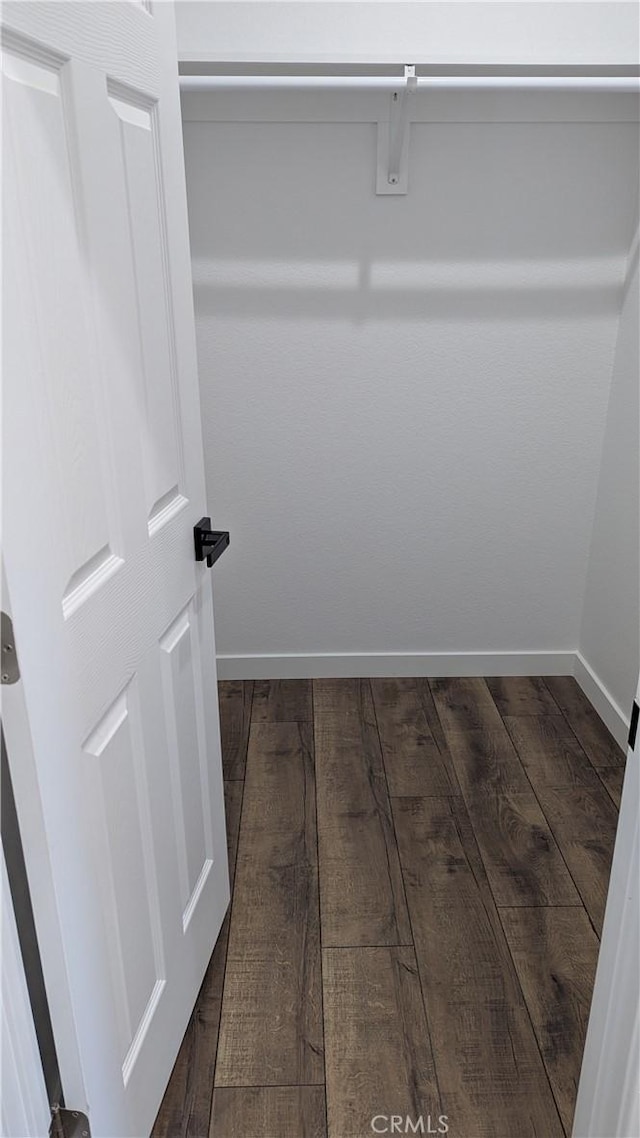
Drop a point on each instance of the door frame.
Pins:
(34, 840)
(25, 1105)
(17, 902)
(609, 1091)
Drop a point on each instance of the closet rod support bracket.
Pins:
(392, 175)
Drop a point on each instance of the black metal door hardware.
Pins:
(633, 726)
(68, 1123)
(8, 659)
(209, 543)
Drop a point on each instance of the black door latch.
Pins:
(209, 543)
(633, 726)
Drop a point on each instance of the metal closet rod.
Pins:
(203, 76)
(321, 69)
(206, 83)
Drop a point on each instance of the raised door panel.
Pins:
(126, 869)
(68, 418)
(162, 443)
(189, 769)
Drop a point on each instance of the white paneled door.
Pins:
(112, 730)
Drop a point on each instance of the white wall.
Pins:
(609, 639)
(578, 33)
(405, 398)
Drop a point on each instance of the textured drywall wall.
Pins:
(404, 398)
(610, 636)
(577, 33)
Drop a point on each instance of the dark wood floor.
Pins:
(420, 872)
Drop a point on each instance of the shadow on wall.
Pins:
(463, 292)
(502, 221)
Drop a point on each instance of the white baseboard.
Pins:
(342, 665)
(291, 666)
(601, 699)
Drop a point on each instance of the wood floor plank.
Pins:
(555, 952)
(431, 712)
(271, 1027)
(521, 858)
(613, 779)
(233, 792)
(361, 890)
(486, 762)
(378, 1053)
(600, 746)
(268, 1112)
(490, 1073)
(465, 704)
(520, 854)
(186, 1106)
(583, 820)
(412, 758)
(282, 701)
(521, 695)
(549, 751)
(235, 698)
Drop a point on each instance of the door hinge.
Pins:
(10, 671)
(68, 1123)
(633, 726)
